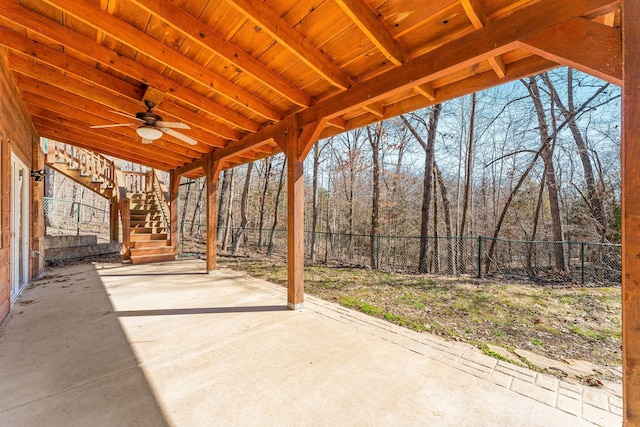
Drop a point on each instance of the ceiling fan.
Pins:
(150, 125)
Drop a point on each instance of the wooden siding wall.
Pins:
(17, 135)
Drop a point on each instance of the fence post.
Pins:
(378, 252)
(77, 218)
(582, 260)
(479, 257)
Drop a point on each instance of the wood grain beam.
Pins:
(164, 54)
(38, 24)
(121, 101)
(587, 46)
(497, 64)
(370, 25)
(496, 38)
(293, 41)
(375, 108)
(427, 91)
(207, 38)
(517, 70)
(475, 12)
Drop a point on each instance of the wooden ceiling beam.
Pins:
(164, 54)
(427, 91)
(199, 32)
(496, 38)
(57, 33)
(498, 66)
(587, 46)
(475, 13)
(370, 25)
(121, 102)
(375, 108)
(523, 68)
(293, 41)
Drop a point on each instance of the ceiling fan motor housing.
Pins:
(148, 117)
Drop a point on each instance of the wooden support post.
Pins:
(113, 220)
(126, 228)
(212, 169)
(298, 144)
(630, 154)
(174, 188)
(295, 228)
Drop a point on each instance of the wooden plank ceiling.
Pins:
(242, 72)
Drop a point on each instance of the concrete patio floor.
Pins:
(167, 344)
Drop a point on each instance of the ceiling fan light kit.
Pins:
(149, 132)
(152, 127)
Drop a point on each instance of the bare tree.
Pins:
(243, 210)
(428, 147)
(375, 140)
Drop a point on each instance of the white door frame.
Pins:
(19, 226)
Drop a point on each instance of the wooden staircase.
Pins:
(148, 234)
(89, 169)
(140, 199)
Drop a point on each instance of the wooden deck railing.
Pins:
(86, 162)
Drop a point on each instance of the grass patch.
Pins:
(587, 334)
(538, 342)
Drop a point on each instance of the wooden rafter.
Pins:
(586, 46)
(475, 13)
(203, 35)
(371, 26)
(165, 55)
(496, 38)
(288, 37)
(108, 58)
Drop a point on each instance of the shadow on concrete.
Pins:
(65, 359)
(203, 310)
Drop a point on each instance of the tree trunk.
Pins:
(374, 141)
(275, 211)
(467, 185)
(225, 238)
(263, 198)
(222, 203)
(428, 148)
(243, 210)
(187, 196)
(196, 211)
(503, 214)
(446, 208)
(550, 173)
(569, 114)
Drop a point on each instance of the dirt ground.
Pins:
(561, 323)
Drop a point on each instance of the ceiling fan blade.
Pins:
(126, 115)
(174, 125)
(180, 136)
(113, 125)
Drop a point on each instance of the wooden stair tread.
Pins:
(147, 259)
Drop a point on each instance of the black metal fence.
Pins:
(583, 263)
